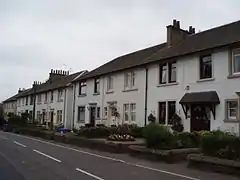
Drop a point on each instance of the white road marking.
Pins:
(15, 142)
(50, 157)
(112, 159)
(4, 138)
(162, 171)
(89, 174)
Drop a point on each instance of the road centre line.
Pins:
(112, 159)
(50, 157)
(89, 174)
(22, 145)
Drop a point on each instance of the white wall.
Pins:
(10, 107)
(188, 74)
(68, 118)
(118, 94)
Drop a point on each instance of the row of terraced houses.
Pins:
(195, 75)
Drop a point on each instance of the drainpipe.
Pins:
(74, 99)
(64, 107)
(146, 93)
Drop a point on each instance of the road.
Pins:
(26, 158)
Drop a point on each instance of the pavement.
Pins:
(27, 158)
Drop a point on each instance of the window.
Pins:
(51, 96)
(126, 112)
(166, 111)
(83, 88)
(109, 83)
(46, 97)
(81, 114)
(205, 67)
(26, 100)
(59, 116)
(39, 99)
(133, 111)
(105, 112)
(31, 100)
(98, 113)
(236, 61)
(44, 115)
(232, 109)
(129, 80)
(96, 85)
(129, 112)
(171, 110)
(168, 73)
(60, 95)
(38, 116)
(23, 101)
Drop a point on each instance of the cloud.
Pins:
(36, 36)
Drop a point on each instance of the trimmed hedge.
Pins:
(222, 145)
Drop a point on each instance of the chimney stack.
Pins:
(175, 34)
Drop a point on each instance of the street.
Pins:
(26, 158)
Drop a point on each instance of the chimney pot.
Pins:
(174, 22)
(193, 30)
(178, 24)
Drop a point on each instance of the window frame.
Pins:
(233, 60)
(129, 111)
(59, 116)
(166, 113)
(201, 67)
(109, 82)
(39, 98)
(45, 97)
(96, 86)
(227, 114)
(79, 116)
(51, 96)
(60, 95)
(167, 68)
(82, 85)
(132, 111)
(130, 80)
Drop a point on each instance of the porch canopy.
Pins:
(207, 98)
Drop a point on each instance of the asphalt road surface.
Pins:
(26, 158)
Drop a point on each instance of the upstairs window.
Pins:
(26, 100)
(236, 61)
(51, 96)
(60, 95)
(97, 86)
(31, 100)
(206, 67)
(46, 97)
(83, 88)
(81, 114)
(109, 83)
(129, 80)
(39, 99)
(168, 73)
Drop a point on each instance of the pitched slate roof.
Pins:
(51, 85)
(14, 98)
(213, 38)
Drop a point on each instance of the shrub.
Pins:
(94, 132)
(17, 121)
(117, 137)
(176, 122)
(186, 140)
(222, 145)
(158, 136)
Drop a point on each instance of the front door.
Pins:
(199, 118)
(92, 116)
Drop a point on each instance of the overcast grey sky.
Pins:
(37, 35)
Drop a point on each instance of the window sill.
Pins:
(232, 76)
(204, 80)
(82, 95)
(96, 94)
(109, 92)
(168, 84)
(128, 90)
(231, 121)
(60, 100)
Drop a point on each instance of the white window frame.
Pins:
(228, 117)
(109, 83)
(232, 60)
(59, 116)
(105, 112)
(82, 85)
(39, 98)
(129, 111)
(166, 110)
(130, 80)
(60, 95)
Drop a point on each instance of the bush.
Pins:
(17, 121)
(222, 145)
(158, 136)
(176, 122)
(94, 132)
(186, 140)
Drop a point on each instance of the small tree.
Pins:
(115, 112)
(176, 123)
(151, 118)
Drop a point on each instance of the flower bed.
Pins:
(119, 137)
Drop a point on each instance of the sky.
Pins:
(75, 35)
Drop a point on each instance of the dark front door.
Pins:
(92, 116)
(51, 119)
(199, 118)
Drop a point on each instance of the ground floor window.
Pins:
(98, 113)
(39, 116)
(232, 109)
(59, 116)
(81, 114)
(166, 110)
(105, 112)
(129, 112)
